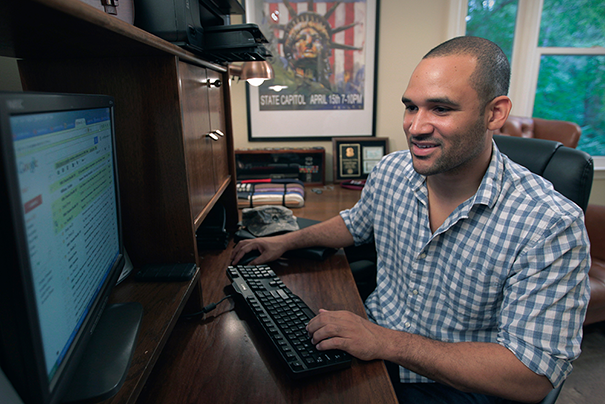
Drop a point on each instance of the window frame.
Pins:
(525, 66)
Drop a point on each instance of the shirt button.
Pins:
(422, 256)
(415, 292)
(407, 324)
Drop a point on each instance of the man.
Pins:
(482, 267)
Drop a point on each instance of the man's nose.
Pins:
(418, 123)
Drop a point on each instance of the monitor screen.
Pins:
(60, 177)
(66, 181)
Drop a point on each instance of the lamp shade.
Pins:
(253, 71)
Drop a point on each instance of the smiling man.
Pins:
(482, 266)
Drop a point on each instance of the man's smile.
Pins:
(423, 148)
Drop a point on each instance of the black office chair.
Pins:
(552, 396)
(569, 170)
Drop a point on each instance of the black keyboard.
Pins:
(283, 317)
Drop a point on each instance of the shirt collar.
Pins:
(416, 181)
(491, 185)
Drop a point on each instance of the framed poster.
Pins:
(324, 56)
(355, 157)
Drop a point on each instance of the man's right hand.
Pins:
(270, 248)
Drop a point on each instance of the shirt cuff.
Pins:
(538, 361)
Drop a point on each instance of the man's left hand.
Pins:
(348, 332)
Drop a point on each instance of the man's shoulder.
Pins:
(400, 160)
(395, 167)
(535, 190)
(399, 155)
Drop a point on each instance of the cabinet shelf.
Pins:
(59, 29)
(170, 174)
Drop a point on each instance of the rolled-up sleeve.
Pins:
(545, 300)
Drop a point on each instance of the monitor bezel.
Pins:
(21, 352)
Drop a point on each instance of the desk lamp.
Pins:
(255, 73)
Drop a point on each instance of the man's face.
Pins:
(444, 122)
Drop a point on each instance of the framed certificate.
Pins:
(355, 157)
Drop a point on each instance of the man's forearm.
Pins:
(331, 233)
(486, 368)
(479, 367)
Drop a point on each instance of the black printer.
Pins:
(203, 27)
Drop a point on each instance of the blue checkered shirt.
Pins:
(508, 266)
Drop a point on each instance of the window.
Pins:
(557, 53)
(494, 21)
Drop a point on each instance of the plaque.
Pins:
(355, 157)
(350, 160)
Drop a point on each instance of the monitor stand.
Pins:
(7, 392)
(106, 359)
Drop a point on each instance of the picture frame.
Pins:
(323, 87)
(355, 157)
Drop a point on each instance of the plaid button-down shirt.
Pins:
(508, 266)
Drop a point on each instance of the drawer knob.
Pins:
(212, 136)
(214, 83)
(218, 132)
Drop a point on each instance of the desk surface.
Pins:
(222, 358)
(324, 202)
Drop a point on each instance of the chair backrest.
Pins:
(568, 133)
(565, 132)
(569, 170)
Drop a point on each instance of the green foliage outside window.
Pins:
(577, 23)
(493, 20)
(570, 87)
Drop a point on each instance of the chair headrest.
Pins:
(569, 170)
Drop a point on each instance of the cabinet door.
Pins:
(217, 122)
(198, 146)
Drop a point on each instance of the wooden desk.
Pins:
(325, 202)
(223, 358)
(162, 306)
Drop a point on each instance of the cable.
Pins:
(208, 308)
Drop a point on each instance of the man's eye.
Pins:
(411, 108)
(442, 110)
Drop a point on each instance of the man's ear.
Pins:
(497, 112)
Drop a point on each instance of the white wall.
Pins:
(597, 196)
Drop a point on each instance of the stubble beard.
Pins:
(463, 150)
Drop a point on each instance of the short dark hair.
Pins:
(491, 77)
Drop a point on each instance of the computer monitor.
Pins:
(62, 249)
